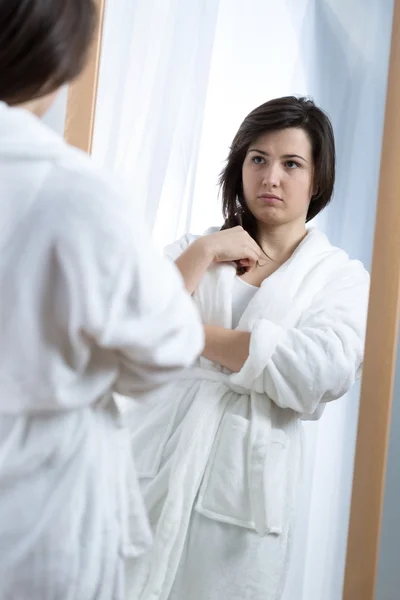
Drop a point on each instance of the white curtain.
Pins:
(153, 82)
(177, 78)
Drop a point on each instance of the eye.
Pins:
(292, 164)
(257, 160)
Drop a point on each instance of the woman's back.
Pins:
(71, 258)
(87, 308)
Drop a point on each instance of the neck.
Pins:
(280, 242)
(39, 106)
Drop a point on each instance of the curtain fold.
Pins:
(152, 89)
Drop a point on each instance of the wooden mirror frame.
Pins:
(380, 355)
(82, 93)
(381, 343)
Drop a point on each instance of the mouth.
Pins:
(270, 198)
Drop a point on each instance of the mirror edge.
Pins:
(82, 93)
(380, 355)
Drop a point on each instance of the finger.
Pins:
(257, 248)
(258, 252)
(247, 264)
(249, 261)
(253, 244)
(251, 255)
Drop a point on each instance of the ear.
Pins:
(315, 187)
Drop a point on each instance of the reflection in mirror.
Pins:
(248, 497)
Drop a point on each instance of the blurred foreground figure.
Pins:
(87, 309)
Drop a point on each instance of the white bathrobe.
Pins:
(220, 464)
(87, 308)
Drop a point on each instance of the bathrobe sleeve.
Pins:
(154, 324)
(122, 302)
(319, 360)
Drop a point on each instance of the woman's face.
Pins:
(277, 176)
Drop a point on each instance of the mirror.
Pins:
(175, 83)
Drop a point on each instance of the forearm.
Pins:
(193, 263)
(229, 348)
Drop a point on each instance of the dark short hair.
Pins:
(43, 45)
(275, 115)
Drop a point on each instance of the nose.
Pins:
(271, 175)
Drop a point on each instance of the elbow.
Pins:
(181, 345)
(161, 363)
(191, 344)
(331, 388)
(184, 348)
(180, 352)
(304, 392)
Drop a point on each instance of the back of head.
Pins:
(43, 45)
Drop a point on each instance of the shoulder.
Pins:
(76, 192)
(174, 250)
(354, 272)
(337, 260)
(86, 220)
(73, 172)
(343, 279)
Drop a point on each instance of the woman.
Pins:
(285, 316)
(87, 308)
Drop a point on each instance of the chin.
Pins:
(271, 217)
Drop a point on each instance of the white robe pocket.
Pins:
(232, 486)
(224, 492)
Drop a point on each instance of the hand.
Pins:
(233, 244)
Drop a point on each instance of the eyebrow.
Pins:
(284, 156)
